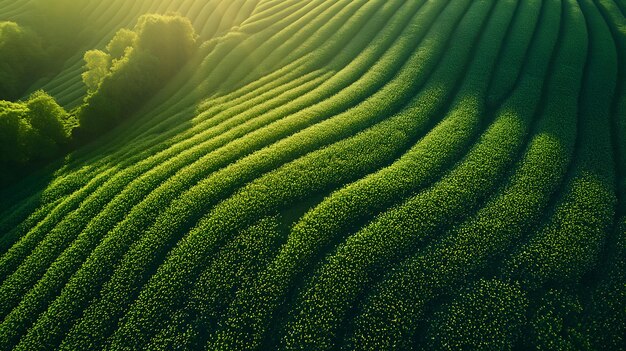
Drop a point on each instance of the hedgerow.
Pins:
(31, 132)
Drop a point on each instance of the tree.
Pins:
(133, 67)
(31, 131)
(22, 59)
(124, 39)
(98, 64)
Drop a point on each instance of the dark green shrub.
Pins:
(22, 59)
(135, 64)
(30, 131)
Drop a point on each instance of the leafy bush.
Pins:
(135, 64)
(31, 131)
(22, 59)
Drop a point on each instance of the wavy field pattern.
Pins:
(337, 175)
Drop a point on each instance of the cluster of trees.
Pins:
(23, 59)
(38, 44)
(31, 131)
(132, 68)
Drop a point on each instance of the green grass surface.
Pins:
(335, 175)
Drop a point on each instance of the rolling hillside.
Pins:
(335, 175)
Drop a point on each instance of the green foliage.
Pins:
(554, 322)
(359, 175)
(571, 241)
(23, 59)
(489, 316)
(32, 131)
(124, 40)
(134, 67)
(387, 315)
(98, 65)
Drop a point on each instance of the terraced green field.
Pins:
(336, 175)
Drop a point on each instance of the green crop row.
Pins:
(349, 175)
(234, 266)
(116, 210)
(324, 25)
(489, 316)
(140, 158)
(136, 216)
(85, 217)
(192, 143)
(379, 14)
(344, 209)
(341, 154)
(141, 152)
(356, 262)
(517, 44)
(571, 240)
(385, 318)
(99, 225)
(12, 259)
(338, 213)
(11, 236)
(607, 322)
(236, 50)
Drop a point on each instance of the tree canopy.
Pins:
(132, 67)
(22, 59)
(30, 131)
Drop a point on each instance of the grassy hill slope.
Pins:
(335, 175)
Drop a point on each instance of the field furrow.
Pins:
(314, 175)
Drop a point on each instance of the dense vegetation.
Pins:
(314, 175)
(30, 131)
(23, 59)
(134, 66)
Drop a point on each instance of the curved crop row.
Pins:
(403, 296)
(489, 316)
(234, 266)
(334, 217)
(156, 161)
(123, 199)
(310, 168)
(334, 175)
(570, 242)
(344, 209)
(367, 253)
(129, 231)
(517, 45)
(140, 152)
(99, 225)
